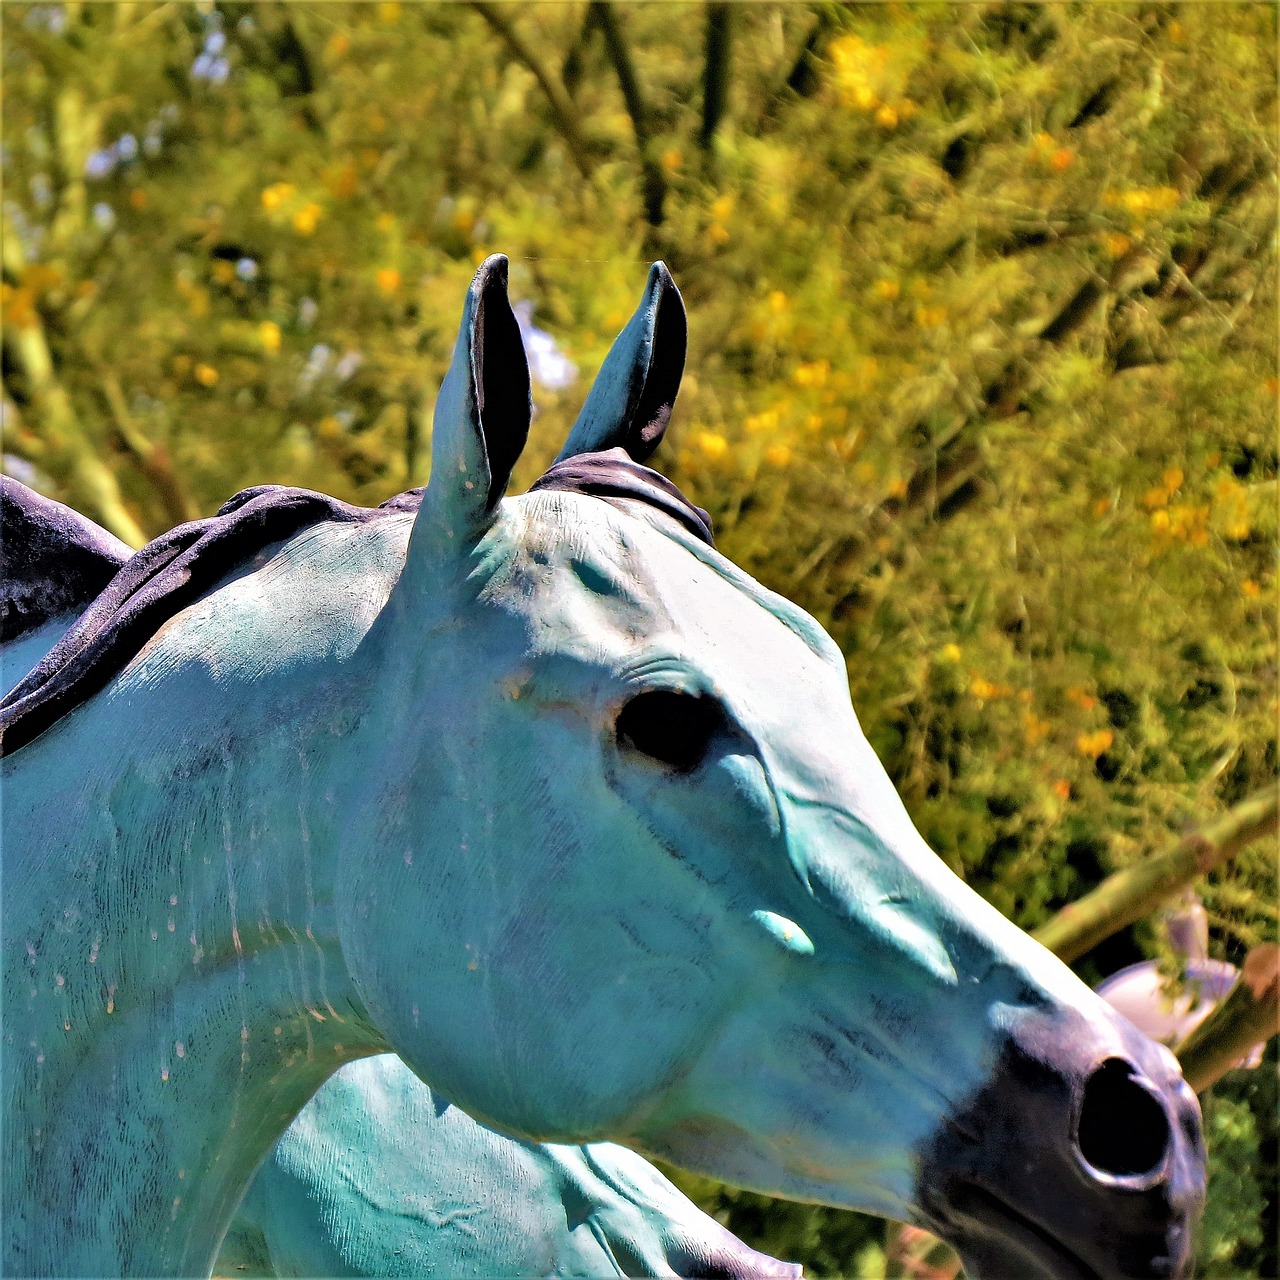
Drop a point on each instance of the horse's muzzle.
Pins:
(1080, 1159)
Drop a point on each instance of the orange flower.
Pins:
(1035, 727)
(1094, 744)
(206, 375)
(388, 280)
(1061, 788)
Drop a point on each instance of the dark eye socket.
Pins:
(675, 728)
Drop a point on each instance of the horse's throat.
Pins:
(136, 1154)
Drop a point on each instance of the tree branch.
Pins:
(653, 181)
(152, 458)
(571, 68)
(563, 115)
(715, 74)
(1249, 1015)
(1130, 894)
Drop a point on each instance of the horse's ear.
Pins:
(630, 402)
(482, 413)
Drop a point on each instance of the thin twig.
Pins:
(563, 114)
(654, 183)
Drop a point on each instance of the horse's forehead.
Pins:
(660, 591)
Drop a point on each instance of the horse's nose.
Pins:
(1080, 1158)
(1123, 1132)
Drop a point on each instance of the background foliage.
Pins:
(982, 370)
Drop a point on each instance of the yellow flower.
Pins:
(388, 280)
(757, 423)
(339, 44)
(305, 219)
(672, 159)
(778, 302)
(718, 234)
(224, 272)
(269, 336)
(949, 653)
(886, 290)
(811, 375)
(898, 488)
(1160, 521)
(1143, 200)
(930, 317)
(1094, 744)
(1173, 478)
(388, 11)
(385, 222)
(1250, 589)
(778, 455)
(722, 208)
(712, 444)
(206, 375)
(983, 689)
(276, 195)
(1116, 244)
(887, 117)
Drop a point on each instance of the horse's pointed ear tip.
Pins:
(660, 274)
(493, 270)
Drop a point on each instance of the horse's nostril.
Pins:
(1123, 1129)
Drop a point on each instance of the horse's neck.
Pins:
(174, 990)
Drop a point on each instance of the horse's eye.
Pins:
(675, 728)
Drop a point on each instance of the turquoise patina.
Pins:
(549, 798)
(446, 1197)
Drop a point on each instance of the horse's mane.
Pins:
(57, 562)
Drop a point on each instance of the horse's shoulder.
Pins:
(55, 561)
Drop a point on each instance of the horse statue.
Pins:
(379, 1176)
(546, 796)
